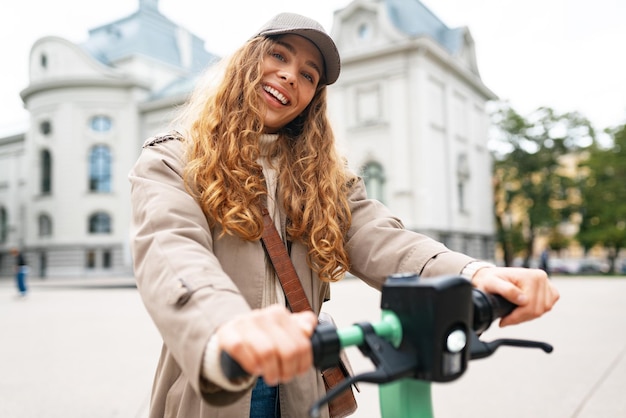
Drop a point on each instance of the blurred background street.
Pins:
(82, 348)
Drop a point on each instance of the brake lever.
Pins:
(391, 364)
(481, 349)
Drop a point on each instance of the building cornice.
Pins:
(427, 46)
(12, 139)
(164, 102)
(86, 82)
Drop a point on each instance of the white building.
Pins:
(409, 110)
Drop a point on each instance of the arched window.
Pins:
(101, 124)
(46, 171)
(374, 177)
(45, 225)
(100, 223)
(100, 169)
(4, 225)
(45, 127)
(463, 176)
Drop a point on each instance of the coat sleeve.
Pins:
(379, 245)
(185, 290)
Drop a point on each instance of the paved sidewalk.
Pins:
(77, 348)
(584, 377)
(83, 348)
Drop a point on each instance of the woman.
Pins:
(260, 137)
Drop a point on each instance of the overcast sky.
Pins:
(566, 54)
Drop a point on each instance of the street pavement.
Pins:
(86, 348)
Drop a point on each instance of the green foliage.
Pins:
(603, 190)
(533, 192)
(558, 241)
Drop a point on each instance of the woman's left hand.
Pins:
(530, 289)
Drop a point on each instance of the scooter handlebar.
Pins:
(487, 308)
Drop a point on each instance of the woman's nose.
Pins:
(287, 74)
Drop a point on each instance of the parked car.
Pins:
(563, 266)
(578, 266)
(593, 267)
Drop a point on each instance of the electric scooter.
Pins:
(428, 332)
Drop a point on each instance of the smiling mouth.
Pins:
(276, 94)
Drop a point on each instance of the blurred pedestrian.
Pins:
(21, 271)
(544, 261)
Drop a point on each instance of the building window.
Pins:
(364, 31)
(100, 169)
(461, 195)
(43, 264)
(101, 123)
(45, 226)
(100, 223)
(46, 172)
(107, 259)
(486, 254)
(435, 92)
(4, 225)
(90, 259)
(460, 117)
(445, 239)
(368, 105)
(463, 176)
(374, 177)
(45, 127)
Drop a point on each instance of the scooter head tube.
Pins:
(436, 316)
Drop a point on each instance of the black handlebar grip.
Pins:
(488, 308)
(326, 346)
(500, 306)
(230, 367)
(324, 342)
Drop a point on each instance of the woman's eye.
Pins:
(308, 77)
(278, 56)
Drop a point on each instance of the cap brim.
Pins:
(323, 42)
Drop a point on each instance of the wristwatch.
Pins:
(472, 267)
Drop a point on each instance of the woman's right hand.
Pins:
(530, 289)
(270, 342)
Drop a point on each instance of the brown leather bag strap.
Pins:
(345, 403)
(285, 270)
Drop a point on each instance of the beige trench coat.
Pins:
(191, 282)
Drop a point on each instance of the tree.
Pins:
(532, 189)
(603, 190)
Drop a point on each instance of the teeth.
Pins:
(276, 94)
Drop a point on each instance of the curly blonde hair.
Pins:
(223, 126)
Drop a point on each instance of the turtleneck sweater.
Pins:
(272, 289)
(272, 292)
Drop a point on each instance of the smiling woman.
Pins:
(258, 140)
(291, 73)
(253, 152)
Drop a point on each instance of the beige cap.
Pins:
(291, 23)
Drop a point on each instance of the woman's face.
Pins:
(291, 73)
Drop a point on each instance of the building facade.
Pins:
(408, 111)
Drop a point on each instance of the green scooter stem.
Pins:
(406, 398)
